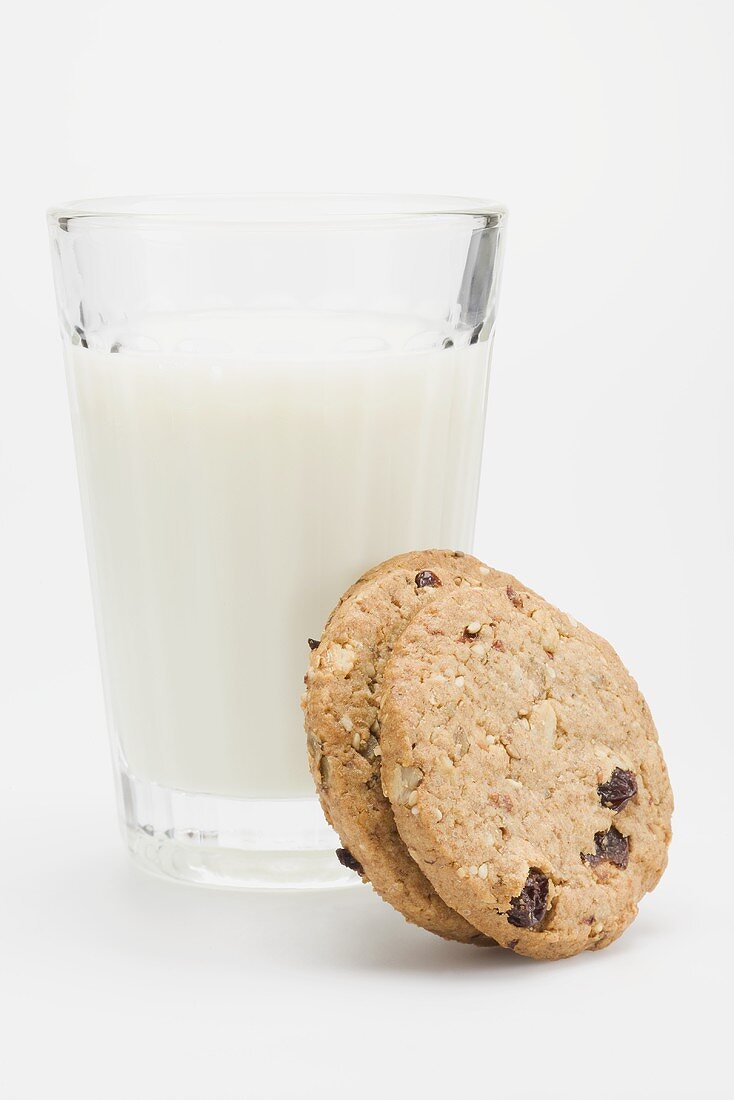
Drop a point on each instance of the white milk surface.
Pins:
(229, 500)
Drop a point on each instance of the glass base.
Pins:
(236, 843)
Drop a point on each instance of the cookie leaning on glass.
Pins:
(524, 771)
(507, 737)
(343, 686)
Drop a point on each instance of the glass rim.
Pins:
(277, 209)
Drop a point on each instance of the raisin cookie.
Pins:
(524, 771)
(341, 703)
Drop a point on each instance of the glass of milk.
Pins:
(269, 395)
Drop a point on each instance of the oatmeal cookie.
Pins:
(524, 770)
(343, 686)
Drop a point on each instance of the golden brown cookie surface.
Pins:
(524, 770)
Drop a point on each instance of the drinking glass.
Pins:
(269, 395)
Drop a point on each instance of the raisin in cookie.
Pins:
(341, 702)
(524, 771)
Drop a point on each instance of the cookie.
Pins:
(524, 771)
(341, 701)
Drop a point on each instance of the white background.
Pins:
(606, 128)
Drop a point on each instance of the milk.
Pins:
(231, 495)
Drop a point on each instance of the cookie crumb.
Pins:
(543, 721)
(341, 657)
(549, 636)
